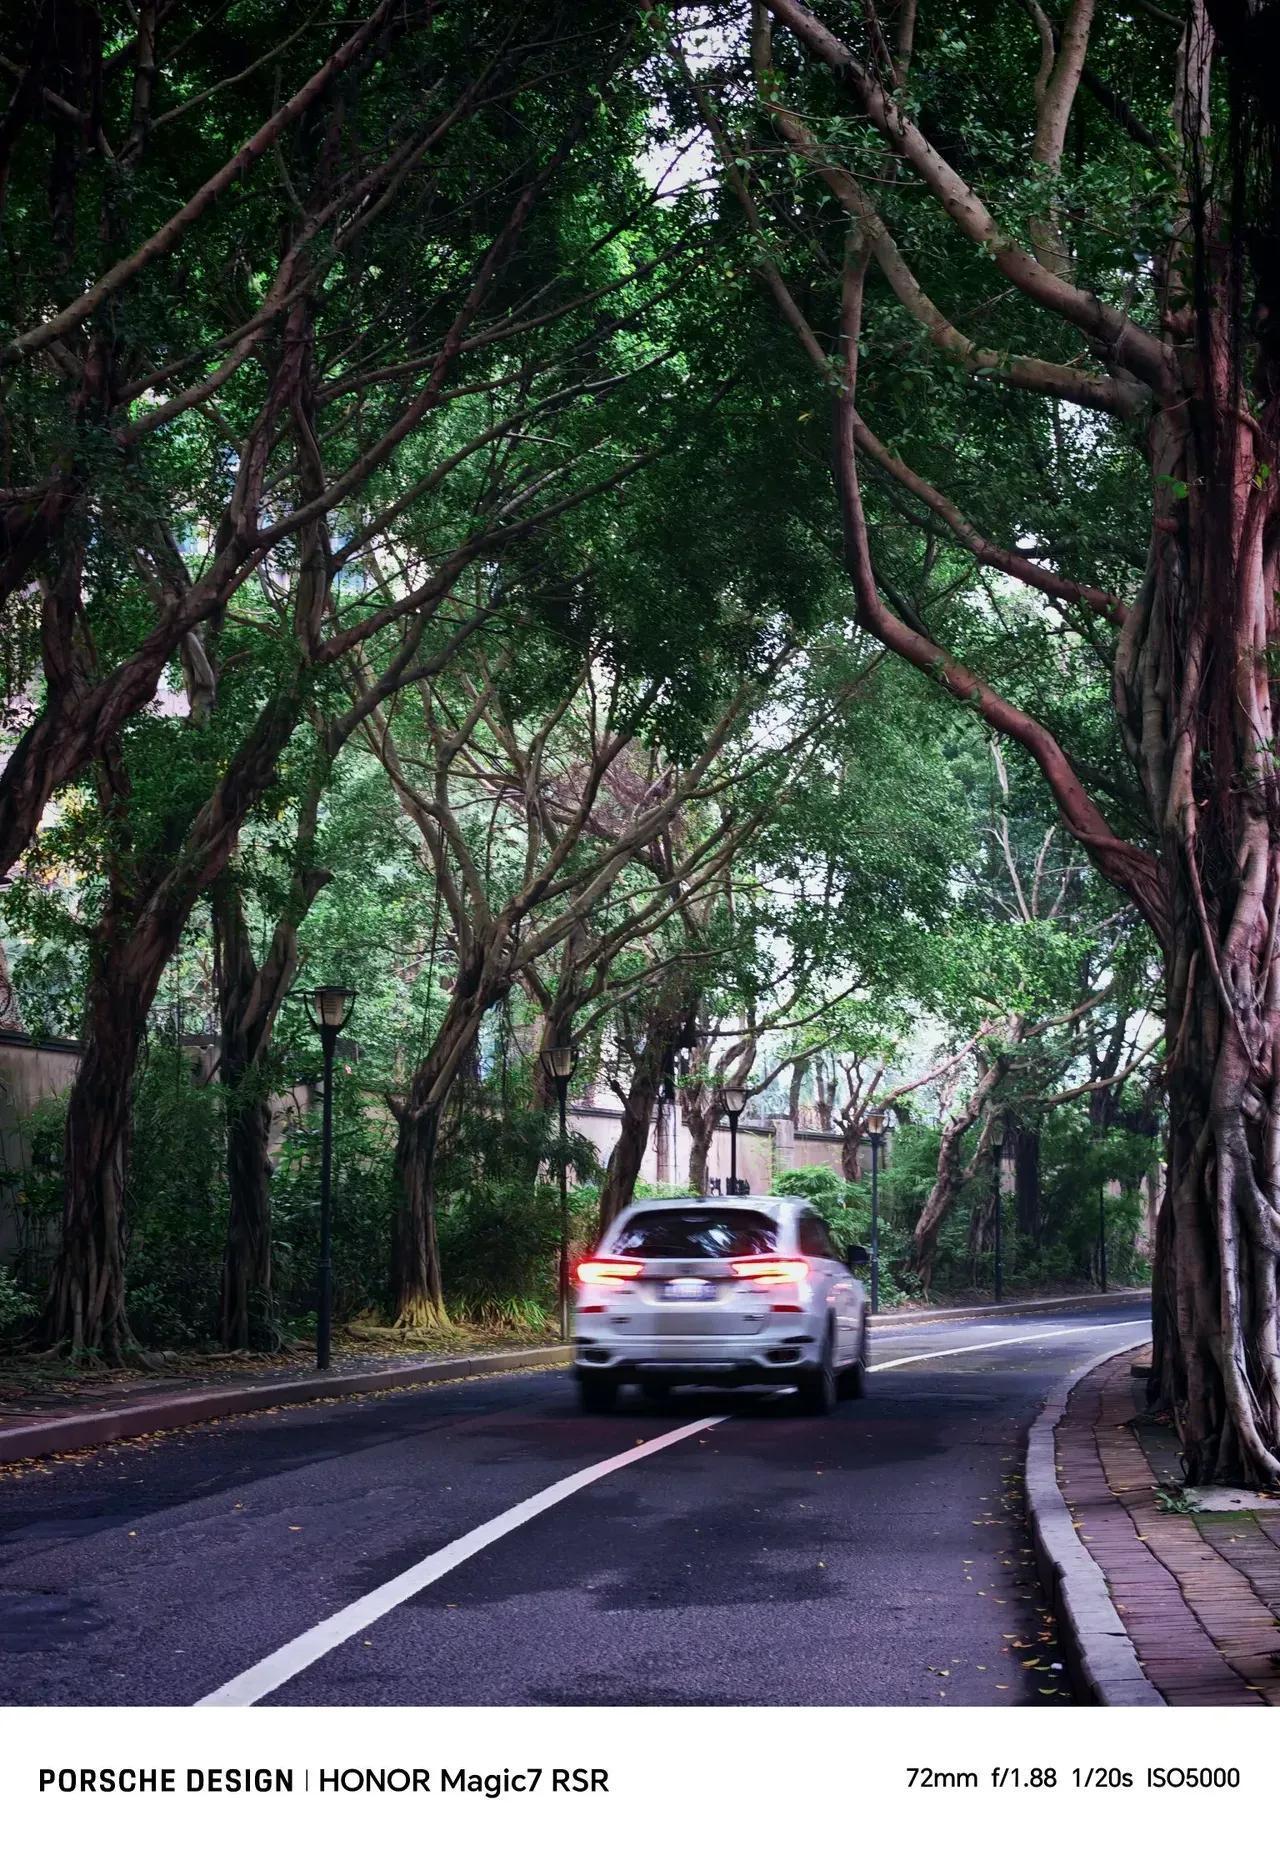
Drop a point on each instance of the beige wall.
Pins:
(30, 1071)
(764, 1150)
(34, 1070)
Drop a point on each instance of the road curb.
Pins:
(1103, 1663)
(1085, 1300)
(73, 1431)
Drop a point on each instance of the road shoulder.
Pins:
(1157, 1604)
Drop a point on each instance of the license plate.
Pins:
(697, 1290)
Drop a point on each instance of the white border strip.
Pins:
(1076, 1586)
(1006, 1342)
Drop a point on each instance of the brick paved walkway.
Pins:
(1199, 1594)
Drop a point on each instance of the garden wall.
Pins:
(32, 1071)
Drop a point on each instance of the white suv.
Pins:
(749, 1289)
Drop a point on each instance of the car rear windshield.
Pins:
(698, 1233)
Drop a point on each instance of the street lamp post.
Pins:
(558, 1064)
(734, 1099)
(997, 1155)
(1102, 1236)
(875, 1132)
(329, 1009)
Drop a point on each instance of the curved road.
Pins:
(757, 1557)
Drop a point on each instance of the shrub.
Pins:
(17, 1307)
(846, 1208)
(177, 1204)
(363, 1207)
(498, 1248)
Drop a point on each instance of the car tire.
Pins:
(853, 1380)
(817, 1387)
(597, 1394)
(657, 1393)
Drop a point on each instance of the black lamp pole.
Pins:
(329, 1008)
(735, 1103)
(558, 1063)
(997, 1154)
(875, 1131)
(1102, 1236)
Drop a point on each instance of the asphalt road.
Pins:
(875, 1557)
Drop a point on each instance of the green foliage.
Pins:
(498, 1247)
(500, 1212)
(363, 1206)
(177, 1204)
(17, 1307)
(888, 878)
(846, 1208)
(1076, 1170)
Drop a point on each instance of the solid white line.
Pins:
(292, 1658)
(261, 1678)
(1070, 1329)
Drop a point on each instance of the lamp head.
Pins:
(559, 1062)
(875, 1120)
(735, 1100)
(329, 1006)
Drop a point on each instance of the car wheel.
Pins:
(817, 1386)
(853, 1380)
(597, 1394)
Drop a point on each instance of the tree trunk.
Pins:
(1217, 1259)
(824, 1095)
(982, 1222)
(10, 1012)
(417, 1286)
(246, 1314)
(1195, 690)
(950, 1176)
(248, 1319)
(851, 1130)
(139, 932)
(417, 1290)
(1026, 1183)
(942, 1196)
(85, 1309)
(627, 1155)
(555, 1030)
(795, 1091)
(667, 1028)
(700, 1122)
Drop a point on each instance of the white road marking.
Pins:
(1005, 1342)
(258, 1681)
(301, 1652)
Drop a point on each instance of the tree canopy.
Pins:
(740, 539)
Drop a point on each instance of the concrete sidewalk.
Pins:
(1198, 1591)
(42, 1424)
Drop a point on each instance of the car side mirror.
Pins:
(857, 1255)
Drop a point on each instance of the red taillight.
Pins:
(607, 1271)
(771, 1271)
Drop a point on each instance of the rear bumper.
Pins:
(728, 1361)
